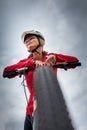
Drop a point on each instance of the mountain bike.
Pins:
(51, 111)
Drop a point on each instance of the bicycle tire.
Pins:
(51, 112)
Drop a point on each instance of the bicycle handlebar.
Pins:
(19, 72)
(64, 65)
(22, 71)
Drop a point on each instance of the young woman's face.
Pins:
(31, 42)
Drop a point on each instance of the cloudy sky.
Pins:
(64, 26)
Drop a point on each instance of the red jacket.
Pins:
(29, 76)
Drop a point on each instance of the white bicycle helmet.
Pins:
(31, 32)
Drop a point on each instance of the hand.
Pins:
(39, 63)
(50, 60)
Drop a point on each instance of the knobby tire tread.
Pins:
(51, 112)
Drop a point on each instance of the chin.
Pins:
(31, 48)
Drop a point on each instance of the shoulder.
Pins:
(25, 59)
(52, 53)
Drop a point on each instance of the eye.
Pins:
(31, 38)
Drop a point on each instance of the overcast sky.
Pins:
(64, 26)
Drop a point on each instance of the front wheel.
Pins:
(51, 112)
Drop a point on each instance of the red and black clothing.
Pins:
(29, 62)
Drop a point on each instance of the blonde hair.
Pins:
(42, 42)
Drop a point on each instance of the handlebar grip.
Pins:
(74, 64)
(20, 71)
(67, 64)
(10, 73)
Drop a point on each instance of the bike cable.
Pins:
(24, 87)
(23, 82)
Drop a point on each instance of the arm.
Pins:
(22, 63)
(54, 58)
(65, 58)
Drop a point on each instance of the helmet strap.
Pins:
(35, 50)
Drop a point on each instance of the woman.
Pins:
(34, 42)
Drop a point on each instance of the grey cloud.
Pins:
(13, 124)
(63, 22)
